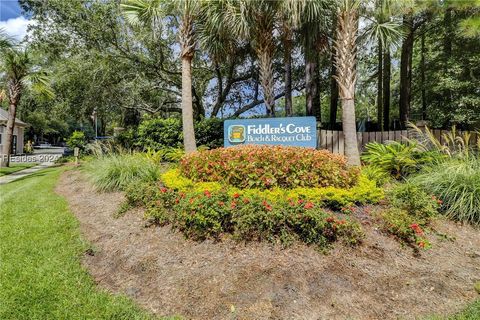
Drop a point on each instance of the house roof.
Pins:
(4, 118)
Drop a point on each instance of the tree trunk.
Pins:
(380, 85)
(187, 106)
(312, 105)
(7, 147)
(310, 84)
(333, 93)
(422, 77)
(346, 60)
(287, 60)
(350, 131)
(406, 70)
(14, 94)
(386, 88)
(187, 42)
(317, 102)
(266, 81)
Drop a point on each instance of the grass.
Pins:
(472, 312)
(40, 248)
(116, 171)
(457, 183)
(14, 167)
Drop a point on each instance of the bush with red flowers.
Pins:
(408, 213)
(266, 167)
(216, 214)
(407, 228)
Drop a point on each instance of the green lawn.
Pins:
(40, 249)
(472, 312)
(14, 167)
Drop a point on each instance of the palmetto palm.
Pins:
(152, 13)
(255, 21)
(314, 20)
(346, 60)
(17, 73)
(387, 33)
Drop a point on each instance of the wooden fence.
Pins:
(334, 140)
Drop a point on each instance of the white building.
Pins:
(18, 131)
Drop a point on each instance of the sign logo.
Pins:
(236, 133)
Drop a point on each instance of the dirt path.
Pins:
(173, 276)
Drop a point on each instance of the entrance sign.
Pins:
(294, 131)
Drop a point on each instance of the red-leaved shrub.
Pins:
(266, 167)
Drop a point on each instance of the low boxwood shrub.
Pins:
(364, 192)
(266, 167)
(211, 215)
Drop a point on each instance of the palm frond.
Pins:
(5, 40)
(144, 12)
(389, 33)
(40, 83)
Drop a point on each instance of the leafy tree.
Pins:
(152, 12)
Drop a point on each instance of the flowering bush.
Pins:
(415, 201)
(408, 214)
(212, 214)
(365, 191)
(266, 167)
(404, 226)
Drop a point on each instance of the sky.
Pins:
(11, 19)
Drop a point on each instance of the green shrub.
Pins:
(414, 201)
(398, 159)
(376, 174)
(157, 134)
(364, 192)
(456, 182)
(209, 215)
(127, 139)
(117, 171)
(76, 140)
(409, 211)
(401, 224)
(209, 133)
(266, 167)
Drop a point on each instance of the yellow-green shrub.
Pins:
(364, 192)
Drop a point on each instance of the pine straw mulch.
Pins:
(169, 275)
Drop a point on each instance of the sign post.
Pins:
(76, 152)
(294, 131)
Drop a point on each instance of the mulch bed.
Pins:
(169, 275)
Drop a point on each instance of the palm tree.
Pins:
(311, 19)
(17, 73)
(346, 60)
(387, 33)
(152, 13)
(254, 21)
